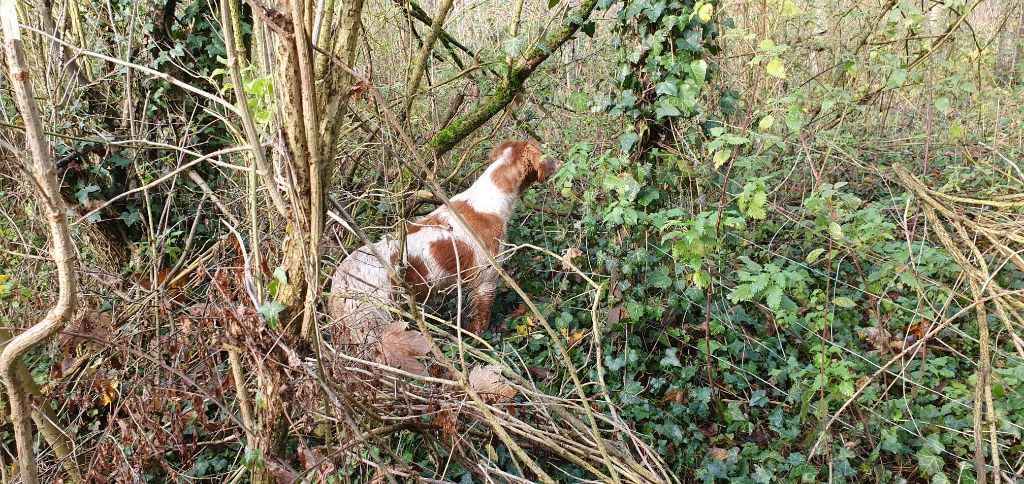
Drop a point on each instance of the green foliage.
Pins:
(754, 286)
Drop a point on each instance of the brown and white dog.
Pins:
(439, 252)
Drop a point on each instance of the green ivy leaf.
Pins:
(270, 310)
(131, 217)
(83, 194)
(627, 140)
(660, 278)
(671, 358)
(589, 28)
(700, 70)
(928, 462)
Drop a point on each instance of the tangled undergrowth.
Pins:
(785, 244)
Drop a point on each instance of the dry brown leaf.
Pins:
(447, 422)
(567, 257)
(521, 310)
(880, 338)
(313, 461)
(281, 472)
(92, 325)
(718, 453)
(488, 382)
(400, 347)
(615, 315)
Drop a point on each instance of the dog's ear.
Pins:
(543, 167)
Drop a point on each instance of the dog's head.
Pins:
(521, 164)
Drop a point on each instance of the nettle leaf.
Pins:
(942, 105)
(722, 156)
(759, 283)
(795, 118)
(835, 230)
(753, 200)
(844, 302)
(846, 388)
(899, 77)
(774, 297)
(814, 255)
(741, 293)
(790, 9)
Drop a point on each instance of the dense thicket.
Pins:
(785, 242)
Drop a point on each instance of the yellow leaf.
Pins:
(775, 68)
(722, 156)
(789, 9)
(576, 337)
(766, 123)
(705, 12)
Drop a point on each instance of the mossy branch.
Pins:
(444, 140)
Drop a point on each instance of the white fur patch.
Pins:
(484, 196)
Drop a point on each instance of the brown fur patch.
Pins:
(415, 277)
(453, 257)
(488, 226)
(526, 165)
(432, 220)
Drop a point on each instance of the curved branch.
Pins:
(446, 139)
(44, 174)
